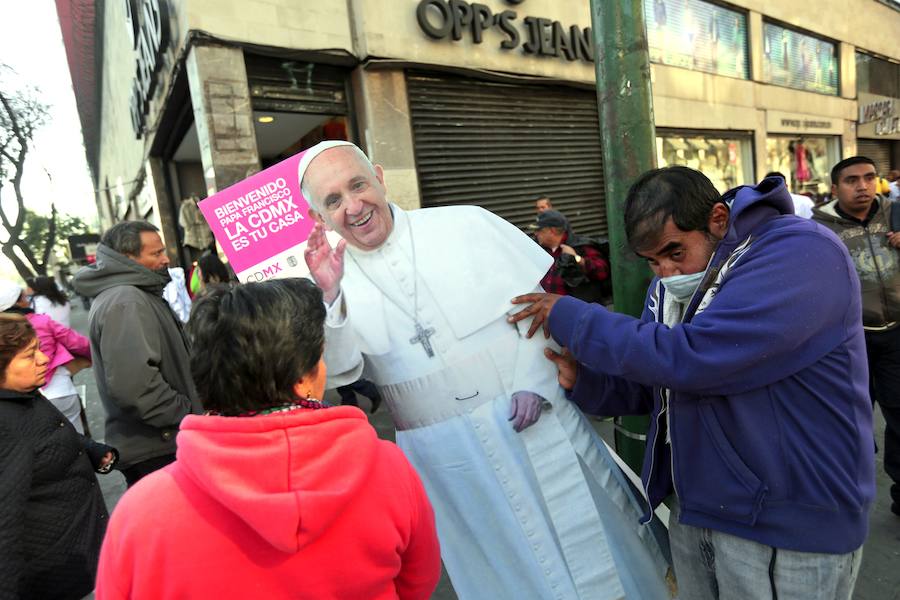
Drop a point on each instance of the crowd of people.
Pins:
(766, 337)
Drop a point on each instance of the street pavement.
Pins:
(879, 577)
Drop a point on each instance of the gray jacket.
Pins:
(141, 356)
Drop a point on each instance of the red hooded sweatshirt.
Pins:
(300, 504)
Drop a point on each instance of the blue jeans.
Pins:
(710, 565)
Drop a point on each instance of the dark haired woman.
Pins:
(52, 514)
(208, 270)
(47, 299)
(273, 494)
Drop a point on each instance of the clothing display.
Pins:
(196, 231)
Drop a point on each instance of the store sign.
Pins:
(262, 223)
(148, 26)
(879, 116)
(440, 19)
(784, 122)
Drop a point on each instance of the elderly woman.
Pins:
(273, 494)
(52, 515)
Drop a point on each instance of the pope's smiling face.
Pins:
(347, 194)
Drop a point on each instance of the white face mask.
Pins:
(682, 287)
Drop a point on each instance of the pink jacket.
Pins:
(59, 343)
(307, 504)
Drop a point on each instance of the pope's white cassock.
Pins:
(544, 513)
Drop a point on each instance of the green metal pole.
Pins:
(625, 102)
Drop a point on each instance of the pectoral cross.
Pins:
(421, 337)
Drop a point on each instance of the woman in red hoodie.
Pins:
(273, 494)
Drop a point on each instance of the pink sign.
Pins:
(262, 223)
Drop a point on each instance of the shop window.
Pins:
(697, 35)
(805, 161)
(726, 159)
(877, 76)
(799, 61)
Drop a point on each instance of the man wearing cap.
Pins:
(578, 269)
(528, 502)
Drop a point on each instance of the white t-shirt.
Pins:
(57, 312)
(803, 206)
(60, 385)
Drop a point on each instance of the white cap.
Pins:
(310, 155)
(9, 294)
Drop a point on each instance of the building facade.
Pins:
(488, 103)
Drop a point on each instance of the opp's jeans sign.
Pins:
(262, 223)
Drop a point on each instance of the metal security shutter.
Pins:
(294, 86)
(878, 151)
(502, 145)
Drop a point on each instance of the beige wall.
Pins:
(303, 24)
(122, 154)
(382, 114)
(389, 29)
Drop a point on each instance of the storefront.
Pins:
(803, 148)
(878, 127)
(726, 157)
(490, 103)
(294, 105)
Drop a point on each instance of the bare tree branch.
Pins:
(49, 243)
(21, 114)
(10, 251)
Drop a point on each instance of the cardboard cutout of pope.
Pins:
(529, 503)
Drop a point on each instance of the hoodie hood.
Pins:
(287, 475)
(750, 207)
(113, 269)
(752, 204)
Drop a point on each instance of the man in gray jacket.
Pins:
(862, 219)
(140, 352)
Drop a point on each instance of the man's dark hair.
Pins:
(45, 286)
(253, 342)
(685, 195)
(125, 237)
(849, 162)
(212, 269)
(775, 174)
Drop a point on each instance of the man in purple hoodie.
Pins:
(750, 358)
